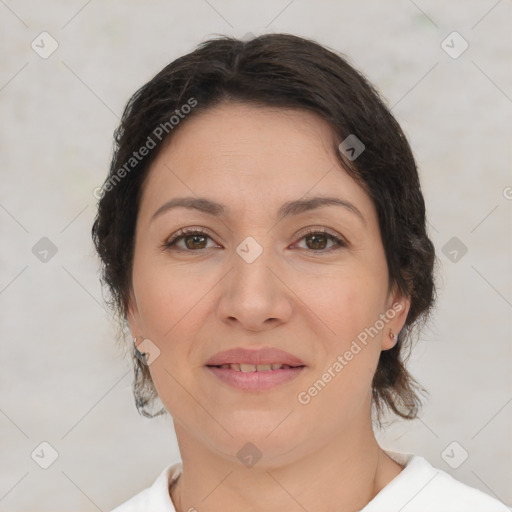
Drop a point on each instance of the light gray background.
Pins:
(62, 379)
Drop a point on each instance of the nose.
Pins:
(254, 296)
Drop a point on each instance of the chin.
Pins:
(273, 438)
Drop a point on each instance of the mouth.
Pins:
(255, 378)
(247, 368)
(255, 369)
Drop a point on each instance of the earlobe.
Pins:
(391, 340)
(397, 315)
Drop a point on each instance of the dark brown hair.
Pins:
(287, 71)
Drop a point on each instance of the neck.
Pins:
(343, 474)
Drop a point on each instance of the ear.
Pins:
(398, 306)
(133, 316)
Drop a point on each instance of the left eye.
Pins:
(317, 240)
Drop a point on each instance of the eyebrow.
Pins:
(289, 208)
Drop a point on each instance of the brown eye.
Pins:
(192, 241)
(195, 241)
(318, 240)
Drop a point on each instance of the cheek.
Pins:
(167, 296)
(172, 306)
(351, 303)
(341, 382)
(351, 308)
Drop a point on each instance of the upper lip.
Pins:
(254, 356)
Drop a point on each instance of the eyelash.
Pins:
(182, 233)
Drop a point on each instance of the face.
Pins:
(259, 271)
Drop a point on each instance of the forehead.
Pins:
(251, 157)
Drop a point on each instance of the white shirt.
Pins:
(419, 487)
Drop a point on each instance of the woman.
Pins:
(262, 233)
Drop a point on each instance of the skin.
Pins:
(309, 300)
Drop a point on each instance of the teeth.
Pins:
(242, 367)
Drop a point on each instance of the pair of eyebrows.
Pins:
(287, 209)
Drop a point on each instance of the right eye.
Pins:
(193, 239)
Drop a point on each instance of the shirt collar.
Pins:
(159, 499)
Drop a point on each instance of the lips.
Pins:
(255, 370)
(246, 368)
(262, 357)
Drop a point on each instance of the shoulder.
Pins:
(155, 498)
(446, 491)
(420, 487)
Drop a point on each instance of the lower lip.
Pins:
(255, 381)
